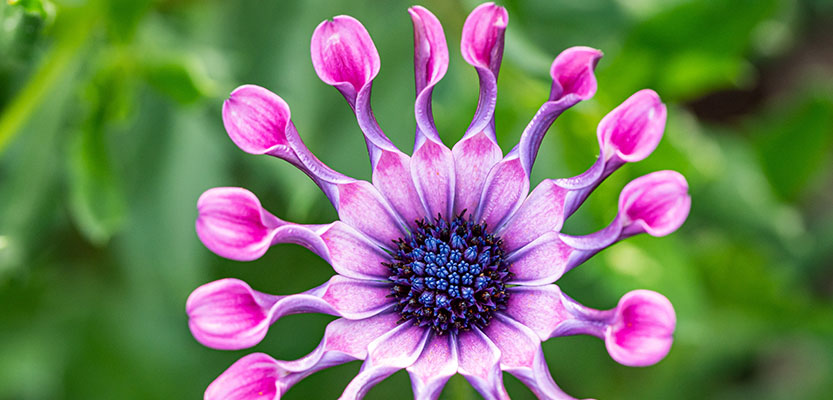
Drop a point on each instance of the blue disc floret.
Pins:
(450, 276)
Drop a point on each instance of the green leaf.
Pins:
(180, 78)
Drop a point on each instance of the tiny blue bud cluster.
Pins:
(450, 276)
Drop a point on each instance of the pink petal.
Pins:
(572, 73)
(521, 356)
(541, 308)
(392, 176)
(432, 169)
(479, 363)
(395, 350)
(505, 188)
(657, 203)
(430, 48)
(542, 261)
(482, 39)
(436, 364)
(256, 120)
(541, 212)
(361, 206)
(252, 377)
(229, 315)
(641, 332)
(633, 130)
(352, 254)
(232, 223)
(343, 54)
(474, 156)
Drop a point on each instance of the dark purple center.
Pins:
(450, 276)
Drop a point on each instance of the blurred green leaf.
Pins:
(180, 78)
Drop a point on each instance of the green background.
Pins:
(110, 129)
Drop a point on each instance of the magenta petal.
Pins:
(361, 206)
(232, 223)
(392, 176)
(252, 377)
(436, 364)
(657, 203)
(521, 356)
(482, 39)
(389, 353)
(572, 73)
(541, 308)
(474, 156)
(505, 188)
(432, 168)
(633, 130)
(541, 212)
(351, 254)
(343, 55)
(479, 363)
(641, 331)
(256, 121)
(542, 261)
(430, 48)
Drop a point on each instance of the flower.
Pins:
(445, 262)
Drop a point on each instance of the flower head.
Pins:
(445, 263)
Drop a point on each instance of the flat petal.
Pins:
(541, 212)
(540, 308)
(474, 156)
(436, 364)
(641, 332)
(542, 261)
(505, 188)
(392, 176)
(482, 40)
(232, 223)
(343, 54)
(432, 169)
(351, 254)
(395, 350)
(521, 356)
(229, 315)
(361, 206)
(657, 203)
(256, 120)
(479, 363)
(633, 130)
(251, 377)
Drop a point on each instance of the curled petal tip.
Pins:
(633, 130)
(343, 54)
(657, 203)
(572, 73)
(483, 34)
(228, 315)
(642, 329)
(256, 119)
(430, 48)
(254, 376)
(232, 224)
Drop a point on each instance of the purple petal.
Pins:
(572, 73)
(389, 353)
(343, 55)
(252, 377)
(657, 203)
(436, 364)
(633, 130)
(432, 169)
(430, 65)
(521, 356)
(479, 363)
(361, 206)
(392, 176)
(541, 308)
(541, 212)
(229, 315)
(482, 39)
(232, 223)
(351, 254)
(474, 156)
(504, 190)
(641, 332)
(256, 121)
(542, 261)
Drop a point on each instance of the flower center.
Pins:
(449, 276)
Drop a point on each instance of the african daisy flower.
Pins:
(445, 262)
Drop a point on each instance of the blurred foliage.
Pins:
(110, 129)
